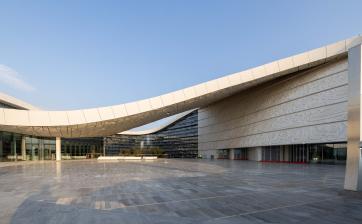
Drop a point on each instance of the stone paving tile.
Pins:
(175, 191)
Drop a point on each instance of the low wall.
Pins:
(73, 157)
(127, 157)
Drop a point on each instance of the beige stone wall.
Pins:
(307, 107)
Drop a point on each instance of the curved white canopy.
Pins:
(104, 121)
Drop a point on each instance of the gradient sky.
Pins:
(79, 54)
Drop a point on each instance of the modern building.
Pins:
(175, 139)
(304, 108)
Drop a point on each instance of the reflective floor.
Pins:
(175, 191)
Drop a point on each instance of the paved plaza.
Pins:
(175, 191)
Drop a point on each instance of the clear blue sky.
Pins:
(78, 54)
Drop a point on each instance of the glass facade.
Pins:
(178, 140)
(39, 148)
(223, 154)
(19, 147)
(9, 146)
(326, 153)
(82, 148)
(241, 154)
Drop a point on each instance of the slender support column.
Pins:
(41, 150)
(259, 152)
(23, 149)
(232, 154)
(33, 152)
(104, 146)
(14, 148)
(1, 149)
(58, 149)
(286, 153)
(255, 154)
(353, 177)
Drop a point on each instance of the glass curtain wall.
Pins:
(178, 140)
(328, 153)
(40, 148)
(331, 153)
(19, 147)
(241, 154)
(10, 146)
(82, 148)
(223, 154)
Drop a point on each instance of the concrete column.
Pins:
(58, 149)
(286, 153)
(1, 149)
(23, 148)
(353, 176)
(33, 152)
(104, 146)
(259, 152)
(41, 150)
(281, 153)
(255, 154)
(231, 154)
(14, 147)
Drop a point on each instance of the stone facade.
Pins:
(305, 107)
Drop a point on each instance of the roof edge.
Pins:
(19, 104)
(161, 127)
